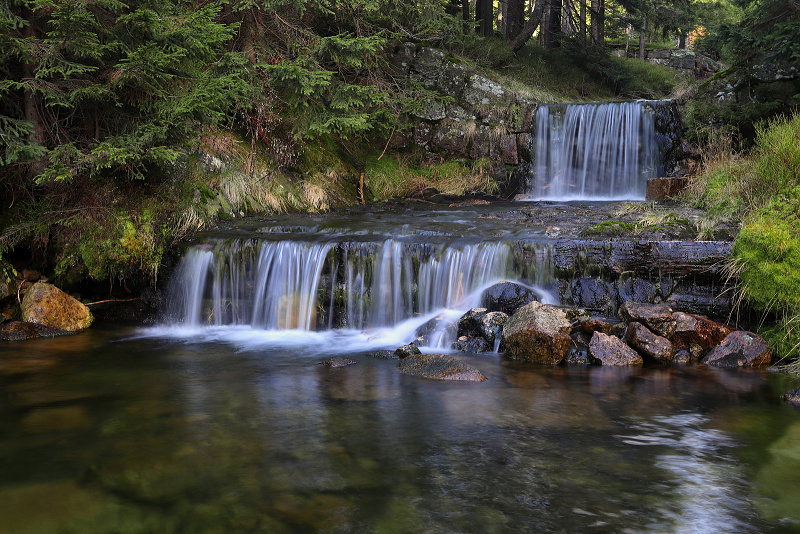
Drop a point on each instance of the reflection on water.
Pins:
(110, 432)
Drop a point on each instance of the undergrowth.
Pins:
(763, 191)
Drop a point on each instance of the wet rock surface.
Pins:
(473, 345)
(407, 350)
(657, 317)
(648, 344)
(740, 349)
(537, 333)
(47, 305)
(610, 350)
(697, 330)
(21, 330)
(507, 297)
(426, 332)
(338, 361)
(439, 367)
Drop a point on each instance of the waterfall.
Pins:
(600, 151)
(305, 285)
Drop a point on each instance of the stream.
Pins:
(219, 418)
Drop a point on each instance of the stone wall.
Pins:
(472, 116)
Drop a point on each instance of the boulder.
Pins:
(657, 317)
(507, 297)
(425, 333)
(428, 64)
(47, 305)
(592, 325)
(338, 361)
(740, 349)
(473, 345)
(537, 333)
(407, 350)
(647, 343)
(439, 367)
(491, 326)
(610, 350)
(470, 323)
(792, 397)
(578, 352)
(697, 330)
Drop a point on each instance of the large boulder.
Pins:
(47, 305)
(648, 344)
(610, 350)
(657, 317)
(439, 367)
(697, 330)
(537, 333)
(438, 325)
(740, 349)
(470, 323)
(474, 345)
(507, 297)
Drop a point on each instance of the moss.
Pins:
(609, 229)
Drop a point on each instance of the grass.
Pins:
(763, 192)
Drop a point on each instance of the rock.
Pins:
(20, 331)
(578, 352)
(663, 188)
(338, 361)
(470, 323)
(428, 64)
(792, 396)
(31, 275)
(439, 367)
(508, 149)
(472, 345)
(657, 317)
(610, 350)
(403, 57)
(407, 350)
(49, 306)
(740, 349)
(481, 139)
(537, 333)
(697, 330)
(480, 90)
(384, 354)
(4, 289)
(432, 111)
(491, 326)
(426, 332)
(682, 357)
(507, 297)
(452, 78)
(592, 325)
(451, 137)
(647, 343)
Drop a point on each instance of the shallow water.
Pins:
(137, 430)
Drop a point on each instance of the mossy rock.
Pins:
(47, 305)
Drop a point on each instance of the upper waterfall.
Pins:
(598, 151)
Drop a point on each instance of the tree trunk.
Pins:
(479, 15)
(465, 15)
(583, 22)
(530, 26)
(567, 18)
(682, 40)
(598, 22)
(487, 18)
(32, 100)
(515, 18)
(552, 37)
(641, 39)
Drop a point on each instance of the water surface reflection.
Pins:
(108, 434)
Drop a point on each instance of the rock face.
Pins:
(470, 323)
(426, 332)
(491, 326)
(49, 306)
(665, 187)
(647, 343)
(407, 350)
(474, 345)
(740, 349)
(657, 317)
(610, 350)
(537, 333)
(439, 367)
(507, 297)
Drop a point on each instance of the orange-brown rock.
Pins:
(47, 305)
(537, 333)
(740, 349)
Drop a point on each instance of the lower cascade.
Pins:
(306, 285)
(600, 151)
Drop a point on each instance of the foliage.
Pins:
(765, 191)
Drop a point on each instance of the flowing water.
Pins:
(594, 151)
(221, 419)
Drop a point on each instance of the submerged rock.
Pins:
(47, 305)
(610, 350)
(507, 297)
(439, 367)
(338, 361)
(21, 330)
(740, 349)
(647, 343)
(537, 333)
(657, 317)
